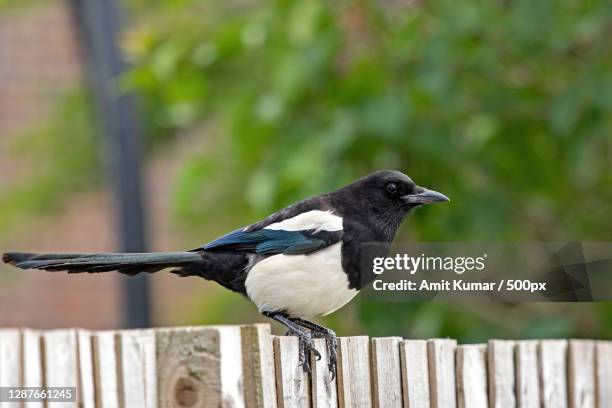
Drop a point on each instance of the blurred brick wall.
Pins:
(39, 61)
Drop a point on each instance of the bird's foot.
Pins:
(331, 341)
(305, 347)
(299, 328)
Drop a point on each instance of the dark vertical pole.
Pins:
(99, 27)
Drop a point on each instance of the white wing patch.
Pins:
(302, 286)
(311, 220)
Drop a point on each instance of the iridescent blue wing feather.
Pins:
(270, 242)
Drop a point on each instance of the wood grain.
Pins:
(553, 369)
(136, 368)
(105, 369)
(501, 374)
(245, 366)
(415, 373)
(292, 383)
(232, 375)
(31, 363)
(354, 385)
(258, 366)
(10, 360)
(324, 392)
(86, 389)
(603, 370)
(194, 367)
(60, 361)
(527, 377)
(386, 372)
(441, 355)
(581, 374)
(472, 376)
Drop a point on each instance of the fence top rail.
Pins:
(247, 366)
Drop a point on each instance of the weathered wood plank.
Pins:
(199, 367)
(527, 377)
(324, 388)
(60, 361)
(10, 358)
(354, 385)
(10, 364)
(246, 366)
(603, 370)
(292, 383)
(136, 368)
(501, 374)
(232, 374)
(553, 373)
(105, 369)
(581, 374)
(31, 361)
(415, 373)
(86, 389)
(441, 355)
(386, 372)
(472, 376)
(258, 364)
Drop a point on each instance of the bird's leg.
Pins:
(331, 340)
(305, 345)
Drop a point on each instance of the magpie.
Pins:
(301, 262)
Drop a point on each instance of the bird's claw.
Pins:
(331, 341)
(305, 347)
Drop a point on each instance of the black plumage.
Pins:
(291, 245)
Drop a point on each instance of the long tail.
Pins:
(126, 263)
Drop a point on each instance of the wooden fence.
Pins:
(235, 366)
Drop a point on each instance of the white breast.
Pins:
(303, 286)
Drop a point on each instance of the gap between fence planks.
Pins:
(245, 366)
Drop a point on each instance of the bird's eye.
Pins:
(392, 188)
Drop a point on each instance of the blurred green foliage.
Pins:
(506, 106)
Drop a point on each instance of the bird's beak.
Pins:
(424, 196)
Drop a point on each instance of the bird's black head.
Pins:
(385, 197)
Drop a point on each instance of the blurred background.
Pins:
(246, 106)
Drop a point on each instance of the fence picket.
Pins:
(386, 372)
(292, 383)
(441, 355)
(354, 385)
(232, 373)
(245, 366)
(603, 370)
(415, 373)
(10, 364)
(581, 374)
(472, 376)
(194, 367)
(136, 368)
(501, 374)
(553, 369)
(105, 369)
(60, 361)
(258, 365)
(31, 368)
(324, 393)
(527, 379)
(86, 389)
